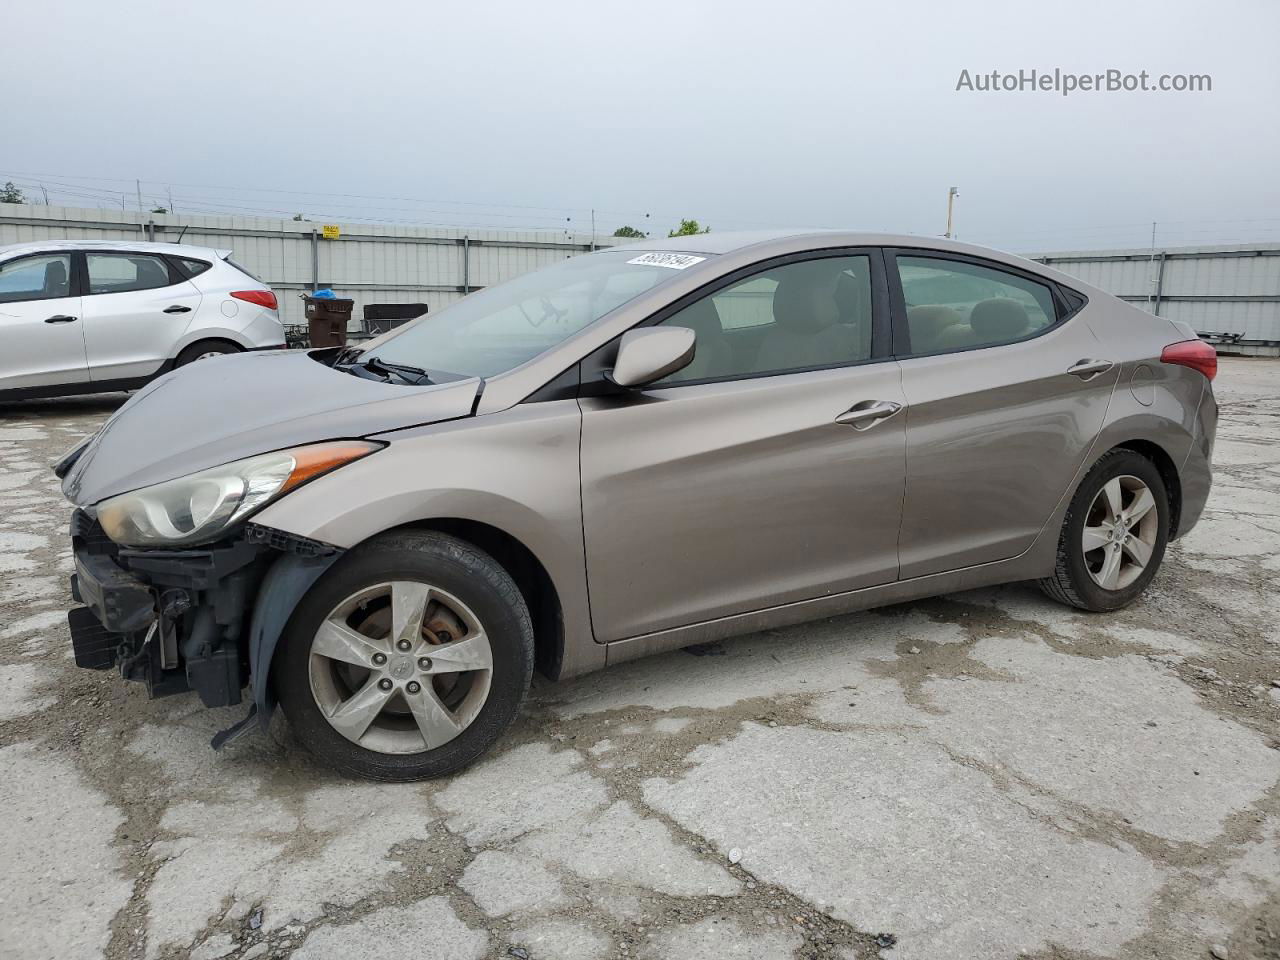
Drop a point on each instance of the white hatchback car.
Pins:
(82, 316)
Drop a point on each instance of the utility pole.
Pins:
(170, 192)
(138, 184)
(952, 193)
(46, 194)
(593, 228)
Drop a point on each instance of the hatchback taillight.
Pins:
(263, 298)
(1195, 354)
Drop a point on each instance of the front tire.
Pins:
(407, 659)
(1113, 536)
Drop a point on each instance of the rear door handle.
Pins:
(864, 415)
(177, 308)
(61, 318)
(1088, 369)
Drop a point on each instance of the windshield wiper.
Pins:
(406, 372)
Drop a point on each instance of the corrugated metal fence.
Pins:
(368, 263)
(1229, 294)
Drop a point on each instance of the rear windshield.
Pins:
(499, 328)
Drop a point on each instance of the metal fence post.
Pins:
(466, 265)
(1159, 283)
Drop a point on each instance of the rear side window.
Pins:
(953, 305)
(42, 277)
(125, 272)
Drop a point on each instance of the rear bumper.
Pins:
(1196, 474)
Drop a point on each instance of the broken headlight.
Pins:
(200, 507)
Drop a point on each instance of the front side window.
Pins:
(814, 313)
(953, 305)
(124, 272)
(43, 277)
(501, 327)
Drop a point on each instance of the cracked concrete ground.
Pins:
(985, 774)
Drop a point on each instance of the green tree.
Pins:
(159, 210)
(688, 228)
(298, 218)
(631, 232)
(11, 194)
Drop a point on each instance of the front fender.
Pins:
(285, 583)
(516, 471)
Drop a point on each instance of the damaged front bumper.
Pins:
(200, 619)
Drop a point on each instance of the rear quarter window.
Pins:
(192, 268)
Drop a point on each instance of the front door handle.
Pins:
(61, 318)
(1088, 369)
(862, 416)
(177, 308)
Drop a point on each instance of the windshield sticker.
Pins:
(676, 261)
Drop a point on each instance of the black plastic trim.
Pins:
(87, 387)
(563, 387)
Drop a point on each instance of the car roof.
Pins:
(767, 243)
(138, 246)
(732, 241)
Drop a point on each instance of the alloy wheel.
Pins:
(1120, 532)
(400, 667)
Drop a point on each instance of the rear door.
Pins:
(744, 481)
(136, 308)
(40, 324)
(1005, 394)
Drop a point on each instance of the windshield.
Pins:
(501, 327)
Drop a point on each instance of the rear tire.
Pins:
(204, 349)
(438, 701)
(1113, 536)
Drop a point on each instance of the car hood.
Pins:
(226, 408)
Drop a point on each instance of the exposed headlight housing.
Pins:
(202, 506)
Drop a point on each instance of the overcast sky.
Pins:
(741, 114)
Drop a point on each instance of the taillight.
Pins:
(263, 298)
(1195, 354)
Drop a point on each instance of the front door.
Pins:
(996, 424)
(760, 475)
(136, 308)
(41, 329)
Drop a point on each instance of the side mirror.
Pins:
(652, 353)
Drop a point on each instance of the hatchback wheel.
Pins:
(203, 351)
(1114, 534)
(407, 659)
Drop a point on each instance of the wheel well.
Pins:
(207, 342)
(1168, 473)
(530, 576)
